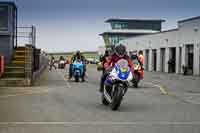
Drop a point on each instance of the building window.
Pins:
(119, 25)
(4, 13)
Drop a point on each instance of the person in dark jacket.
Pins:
(52, 63)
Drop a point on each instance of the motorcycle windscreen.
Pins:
(77, 64)
(123, 69)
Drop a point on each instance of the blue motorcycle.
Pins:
(77, 69)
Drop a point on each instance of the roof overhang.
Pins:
(189, 19)
(133, 20)
(128, 32)
(8, 3)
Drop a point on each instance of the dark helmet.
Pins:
(120, 50)
(108, 52)
(134, 56)
(140, 52)
(78, 53)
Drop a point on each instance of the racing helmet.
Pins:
(77, 52)
(108, 52)
(120, 50)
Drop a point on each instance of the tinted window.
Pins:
(3, 18)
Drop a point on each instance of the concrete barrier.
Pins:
(44, 62)
(31, 73)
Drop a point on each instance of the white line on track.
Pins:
(97, 123)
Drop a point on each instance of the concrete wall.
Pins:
(188, 32)
(30, 74)
(6, 48)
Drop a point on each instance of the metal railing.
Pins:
(26, 35)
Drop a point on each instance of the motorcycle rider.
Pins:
(105, 58)
(134, 56)
(106, 64)
(119, 53)
(140, 59)
(77, 56)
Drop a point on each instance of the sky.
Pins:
(70, 25)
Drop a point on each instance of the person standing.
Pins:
(52, 63)
(141, 60)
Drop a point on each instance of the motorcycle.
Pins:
(136, 75)
(77, 69)
(116, 84)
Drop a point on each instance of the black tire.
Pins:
(135, 84)
(76, 79)
(104, 101)
(116, 100)
(135, 81)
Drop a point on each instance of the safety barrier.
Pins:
(2, 65)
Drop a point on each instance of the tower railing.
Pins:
(26, 35)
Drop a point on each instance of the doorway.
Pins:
(154, 52)
(162, 59)
(172, 60)
(147, 60)
(180, 59)
(190, 58)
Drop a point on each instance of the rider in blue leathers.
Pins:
(77, 56)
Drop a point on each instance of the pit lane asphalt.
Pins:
(56, 105)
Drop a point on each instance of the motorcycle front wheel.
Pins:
(117, 98)
(76, 78)
(135, 84)
(135, 81)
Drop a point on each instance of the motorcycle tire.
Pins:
(135, 81)
(135, 84)
(116, 99)
(76, 79)
(104, 101)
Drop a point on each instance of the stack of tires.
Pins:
(2, 65)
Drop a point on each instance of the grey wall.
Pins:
(5, 48)
(7, 37)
